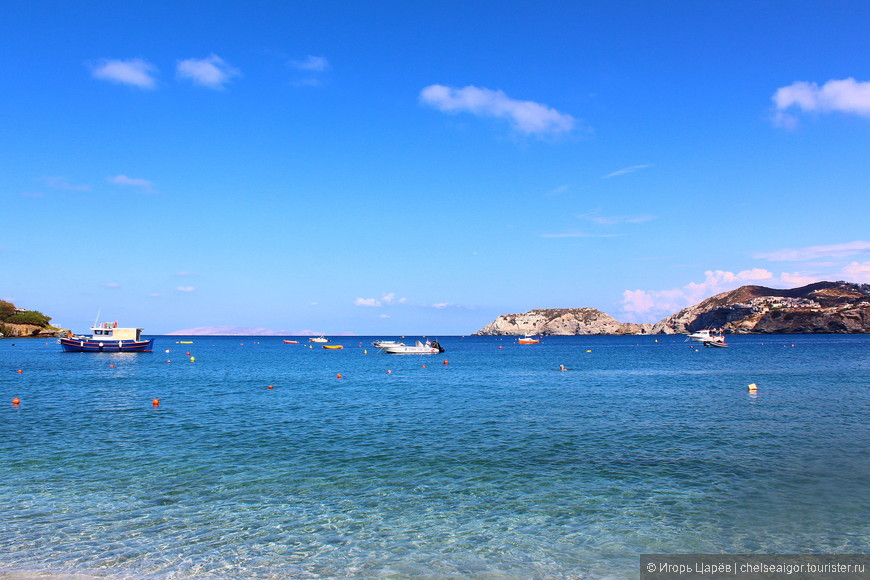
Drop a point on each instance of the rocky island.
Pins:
(823, 307)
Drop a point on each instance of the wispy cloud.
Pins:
(652, 305)
(594, 217)
(367, 302)
(311, 64)
(63, 184)
(142, 184)
(526, 117)
(580, 235)
(816, 252)
(135, 72)
(185, 289)
(110, 285)
(844, 96)
(211, 72)
(626, 170)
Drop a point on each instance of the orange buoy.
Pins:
(424, 366)
(445, 361)
(271, 387)
(155, 402)
(338, 376)
(111, 366)
(16, 401)
(169, 361)
(389, 372)
(20, 371)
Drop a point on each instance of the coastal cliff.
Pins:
(823, 307)
(561, 321)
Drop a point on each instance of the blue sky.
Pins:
(420, 168)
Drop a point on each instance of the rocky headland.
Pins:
(823, 307)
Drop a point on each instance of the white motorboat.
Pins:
(702, 335)
(393, 347)
(708, 337)
(318, 339)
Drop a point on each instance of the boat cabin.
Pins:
(110, 331)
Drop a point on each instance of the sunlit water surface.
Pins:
(494, 465)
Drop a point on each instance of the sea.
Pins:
(262, 459)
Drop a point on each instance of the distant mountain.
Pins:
(823, 307)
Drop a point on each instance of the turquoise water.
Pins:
(495, 465)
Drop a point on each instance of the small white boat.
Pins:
(318, 339)
(393, 347)
(708, 337)
(701, 335)
(383, 343)
(715, 340)
(528, 339)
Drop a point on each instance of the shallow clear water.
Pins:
(496, 465)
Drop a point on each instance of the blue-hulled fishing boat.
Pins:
(107, 337)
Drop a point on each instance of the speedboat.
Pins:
(701, 335)
(291, 342)
(528, 339)
(107, 337)
(383, 343)
(318, 339)
(708, 337)
(392, 347)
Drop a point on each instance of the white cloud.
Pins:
(389, 298)
(111, 285)
(185, 289)
(143, 184)
(525, 116)
(651, 305)
(816, 252)
(797, 279)
(858, 272)
(311, 63)
(135, 71)
(845, 96)
(631, 169)
(211, 72)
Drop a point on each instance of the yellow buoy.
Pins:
(753, 387)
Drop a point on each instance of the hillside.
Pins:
(823, 307)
